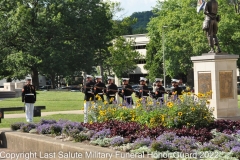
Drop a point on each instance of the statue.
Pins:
(210, 24)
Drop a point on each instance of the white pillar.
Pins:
(217, 72)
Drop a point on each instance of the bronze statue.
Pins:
(210, 24)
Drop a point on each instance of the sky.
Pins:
(131, 6)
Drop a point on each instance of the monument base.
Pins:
(217, 72)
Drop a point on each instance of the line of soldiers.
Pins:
(95, 91)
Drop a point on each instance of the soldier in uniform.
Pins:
(29, 98)
(160, 90)
(111, 90)
(143, 90)
(176, 89)
(211, 24)
(89, 96)
(99, 88)
(127, 92)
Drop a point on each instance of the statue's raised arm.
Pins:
(210, 25)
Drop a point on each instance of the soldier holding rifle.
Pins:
(111, 90)
(143, 91)
(127, 92)
(99, 88)
(160, 90)
(89, 96)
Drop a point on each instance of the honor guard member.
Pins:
(143, 90)
(111, 90)
(176, 89)
(127, 91)
(29, 98)
(99, 88)
(89, 96)
(160, 90)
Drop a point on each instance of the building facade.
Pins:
(140, 42)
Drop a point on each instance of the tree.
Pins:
(123, 58)
(52, 36)
(181, 26)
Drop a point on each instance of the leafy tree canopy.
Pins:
(178, 28)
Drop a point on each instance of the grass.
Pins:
(6, 123)
(53, 100)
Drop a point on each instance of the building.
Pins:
(141, 40)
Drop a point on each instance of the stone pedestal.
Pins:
(218, 72)
(9, 86)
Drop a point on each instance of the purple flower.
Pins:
(117, 141)
(45, 121)
(101, 134)
(140, 142)
(27, 127)
(209, 147)
(44, 129)
(230, 145)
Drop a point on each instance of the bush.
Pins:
(188, 110)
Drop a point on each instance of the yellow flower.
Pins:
(120, 105)
(162, 117)
(208, 102)
(174, 93)
(111, 99)
(188, 88)
(152, 120)
(90, 122)
(132, 119)
(180, 96)
(85, 101)
(189, 93)
(188, 124)
(158, 103)
(200, 95)
(180, 113)
(90, 98)
(193, 109)
(170, 104)
(105, 102)
(99, 107)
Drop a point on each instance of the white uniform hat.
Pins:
(158, 79)
(98, 77)
(89, 76)
(28, 78)
(175, 80)
(109, 77)
(125, 79)
(142, 79)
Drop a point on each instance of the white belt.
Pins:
(29, 94)
(128, 96)
(112, 95)
(100, 93)
(89, 92)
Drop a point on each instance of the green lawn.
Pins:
(53, 100)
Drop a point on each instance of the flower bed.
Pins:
(180, 128)
(135, 138)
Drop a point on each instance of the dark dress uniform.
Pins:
(159, 93)
(89, 91)
(144, 92)
(29, 97)
(99, 90)
(112, 89)
(29, 94)
(127, 95)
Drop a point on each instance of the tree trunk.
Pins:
(101, 71)
(35, 80)
(53, 81)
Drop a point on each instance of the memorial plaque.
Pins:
(204, 82)
(226, 84)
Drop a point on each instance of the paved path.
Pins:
(22, 115)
